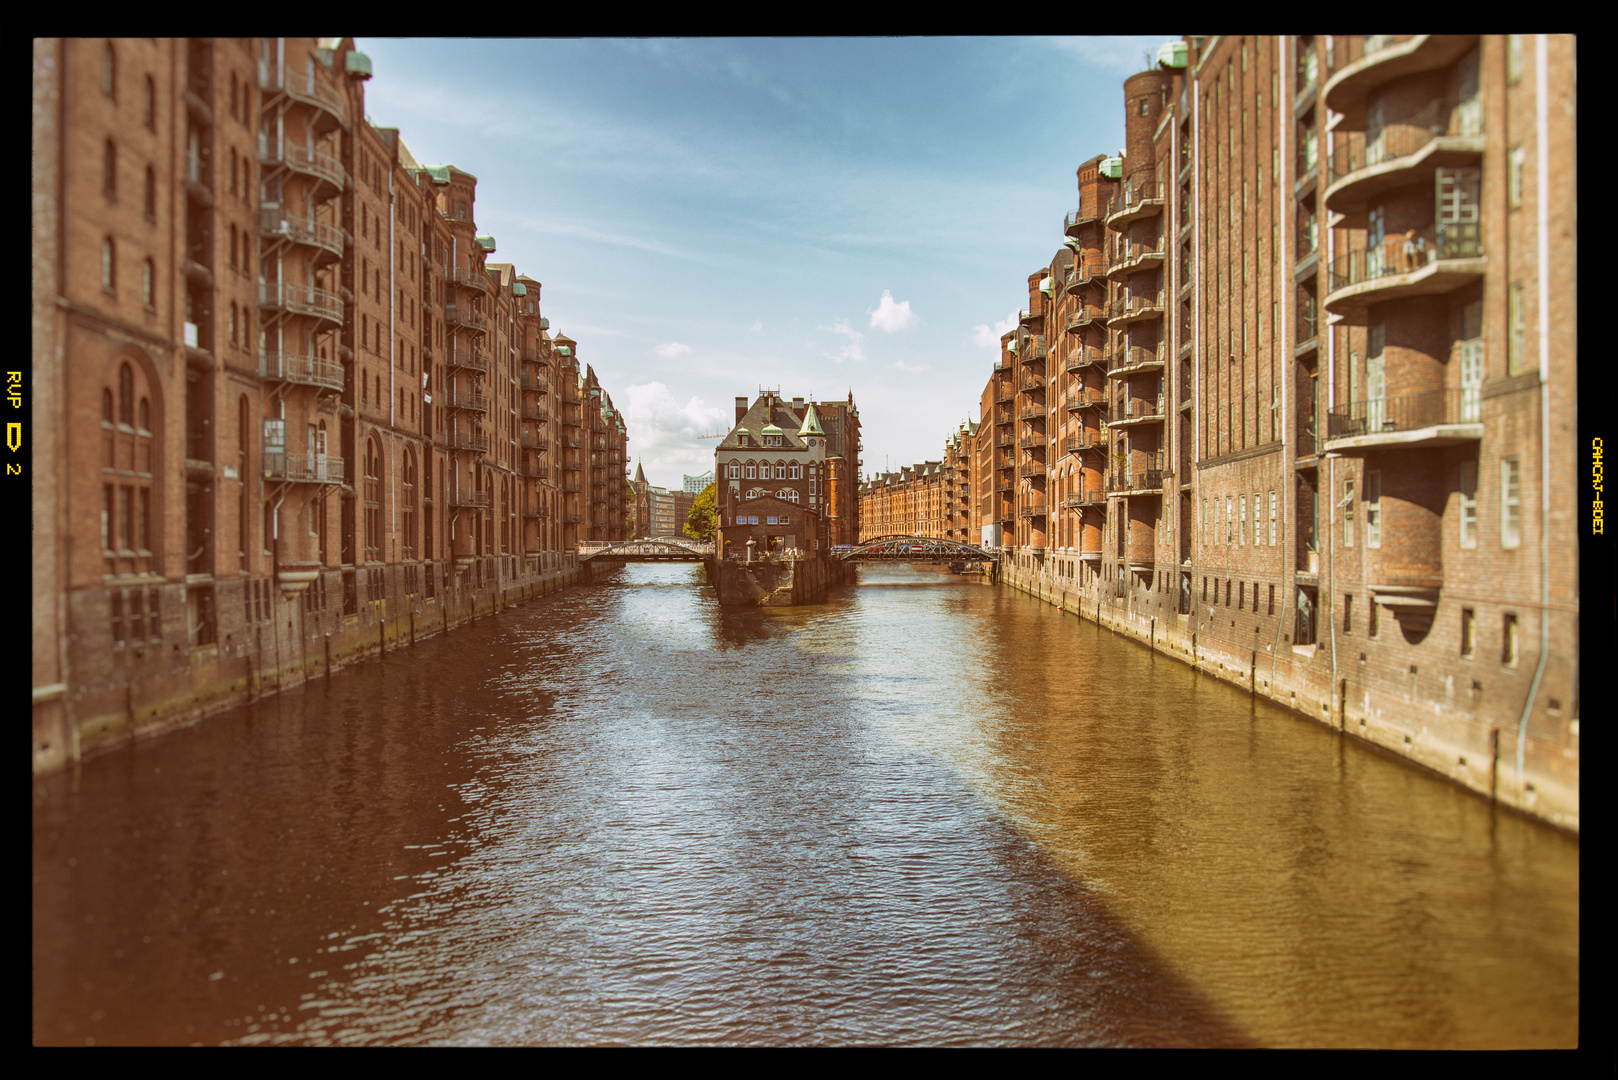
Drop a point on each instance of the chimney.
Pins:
(741, 409)
(797, 405)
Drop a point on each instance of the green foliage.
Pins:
(699, 523)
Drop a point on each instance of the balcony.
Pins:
(468, 279)
(460, 316)
(534, 472)
(1361, 68)
(1142, 482)
(1079, 359)
(328, 173)
(535, 383)
(1090, 496)
(306, 89)
(1407, 153)
(1081, 444)
(533, 510)
(1141, 260)
(1034, 354)
(537, 413)
(1135, 202)
(1130, 360)
(469, 500)
(462, 440)
(1077, 219)
(1134, 308)
(1033, 412)
(1087, 399)
(1032, 442)
(1085, 315)
(1029, 317)
(1086, 268)
(302, 468)
(1437, 260)
(301, 370)
(1037, 510)
(1004, 440)
(1435, 418)
(464, 400)
(466, 358)
(300, 300)
(1033, 469)
(1137, 412)
(1003, 394)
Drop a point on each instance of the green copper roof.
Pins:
(519, 289)
(485, 242)
(811, 423)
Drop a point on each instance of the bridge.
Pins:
(648, 549)
(915, 549)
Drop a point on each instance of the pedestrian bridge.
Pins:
(648, 549)
(914, 549)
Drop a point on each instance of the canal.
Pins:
(926, 812)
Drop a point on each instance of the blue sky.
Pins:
(709, 216)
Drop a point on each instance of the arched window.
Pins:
(109, 170)
(233, 166)
(108, 277)
(147, 272)
(149, 104)
(409, 514)
(106, 407)
(109, 72)
(126, 394)
(128, 502)
(373, 501)
(150, 201)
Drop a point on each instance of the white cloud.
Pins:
(1119, 55)
(758, 324)
(670, 349)
(893, 317)
(854, 350)
(914, 370)
(663, 434)
(989, 338)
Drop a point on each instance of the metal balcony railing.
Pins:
(463, 399)
(1411, 412)
(303, 87)
(459, 316)
(1082, 216)
(459, 355)
(300, 159)
(300, 300)
(1088, 399)
(302, 468)
(535, 383)
(1134, 304)
(470, 279)
(1031, 442)
(1085, 315)
(1079, 359)
(469, 499)
(1035, 412)
(537, 413)
(1032, 469)
(1086, 442)
(1144, 480)
(303, 370)
(462, 440)
(1086, 268)
(1036, 510)
(1407, 254)
(1085, 497)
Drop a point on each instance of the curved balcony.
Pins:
(331, 179)
(466, 358)
(1077, 219)
(1034, 354)
(534, 383)
(1133, 204)
(1079, 359)
(1029, 317)
(464, 401)
(469, 500)
(1415, 421)
(1086, 268)
(465, 440)
(1003, 394)
(1086, 442)
(1407, 154)
(1032, 442)
(1385, 58)
(328, 240)
(306, 89)
(1138, 412)
(537, 413)
(1087, 399)
(1084, 316)
(1437, 260)
(1090, 496)
(533, 471)
(1035, 511)
(1034, 469)
(1145, 482)
(301, 370)
(1141, 260)
(1134, 360)
(302, 468)
(300, 300)
(468, 279)
(1127, 309)
(1036, 412)
(530, 510)
(472, 320)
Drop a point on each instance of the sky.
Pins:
(710, 216)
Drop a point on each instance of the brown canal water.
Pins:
(926, 812)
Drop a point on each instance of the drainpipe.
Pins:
(1541, 120)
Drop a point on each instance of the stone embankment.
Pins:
(774, 581)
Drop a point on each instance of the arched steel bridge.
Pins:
(648, 549)
(914, 549)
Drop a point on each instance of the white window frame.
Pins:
(1510, 503)
(1348, 511)
(1469, 505)
(1272, 518)
(1373, 508)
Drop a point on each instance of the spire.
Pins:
(811, 423)
(640, 472)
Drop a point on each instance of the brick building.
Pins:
(287, 410)
(930, 498)
(1287, 400)
(801, 458)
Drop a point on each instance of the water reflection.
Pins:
(925, 812)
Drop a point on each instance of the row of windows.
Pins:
(1510, 506)
(738, 471)
(769, 519)
(1235, 519)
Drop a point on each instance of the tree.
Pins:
(699, 523)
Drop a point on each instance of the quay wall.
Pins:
(1466, 745)
(268, 643)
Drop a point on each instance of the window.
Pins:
(109, 72)
(1258, 528)
(1230, 517)
(109, 280)
(1469, 504)
(1373, 508)
(1348, 511)
(1241, 532)
(1513, 57)
(794, 472)
(770, 519)
(1348, 613)
(1508, 640)
(1514, 177)
(752, 519)
(109, 170)
(1469, 632)
(1517, 330)
(1510, 503)
(1272, 529)
(733, 471)
(1374, 622)
(150, 200)
(147, 272)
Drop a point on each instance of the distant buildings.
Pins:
(660, 512)
(1295, 398)
(786, 475)
(287, 407)
(930, 499)
(697, 484)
